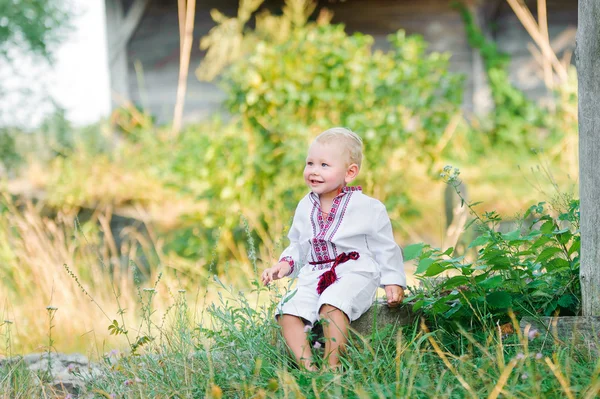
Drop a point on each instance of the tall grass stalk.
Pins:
(55, 260)
(237, 351)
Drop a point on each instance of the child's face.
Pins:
(327, 169)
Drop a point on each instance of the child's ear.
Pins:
(351, 173)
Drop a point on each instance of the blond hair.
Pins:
(351, 142)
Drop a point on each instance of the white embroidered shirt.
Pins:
(356, 222)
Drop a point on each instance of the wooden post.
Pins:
(119, 29)
(532, 27)
(482, 92)
(117, 61)
(587, 60)
(543, 24)
(184, 62)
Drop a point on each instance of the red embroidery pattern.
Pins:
(289, 260)
(325, 228)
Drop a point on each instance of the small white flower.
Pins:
(317, 345)
(533, 334)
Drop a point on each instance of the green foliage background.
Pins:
(32, 25)
(220, 196)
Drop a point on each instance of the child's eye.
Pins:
(309, 163)
(324, 164)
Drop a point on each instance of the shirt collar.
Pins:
(343, 191)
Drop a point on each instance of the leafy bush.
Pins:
(283, 93)
(322, 77)
(10, 158)
(218, 180)
(518, 122)
(533, 269)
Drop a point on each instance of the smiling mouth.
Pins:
(315, 181)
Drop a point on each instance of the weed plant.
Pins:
(238, 353)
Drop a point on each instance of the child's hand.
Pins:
(395, 295)
(276, 272)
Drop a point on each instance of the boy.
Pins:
(341, 248)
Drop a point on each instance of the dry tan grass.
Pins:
(36, 255)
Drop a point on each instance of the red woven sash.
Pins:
(330, 277)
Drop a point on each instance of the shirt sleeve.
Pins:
(295, 253)
(387, 253)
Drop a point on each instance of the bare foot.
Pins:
(309, 366)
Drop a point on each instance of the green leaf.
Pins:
(440, 306)
(457, 306)
(540, 241)
(499, 299)
(558, 264)
(287, 298)
(448, 251)
(413, 251)
(497, 260)
(564, 238)
(525, 253)
(548, 227)
(434, 270)
(483, 239)
(470, 223)
(547, 253)
(566, 301)
(513, 235)
(454, 282)
(540, 293)
(536, 283)
(418, 305)
(480, 277)
(517, 243)
(533, 234)
(575, 247)
(492, 282)
(423, 265)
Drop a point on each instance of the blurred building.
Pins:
(143, 44)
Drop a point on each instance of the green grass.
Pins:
(238, 353)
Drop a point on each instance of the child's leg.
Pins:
(297, 340)
(335, 331)
(342, 302)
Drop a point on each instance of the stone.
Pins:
(582, 331)
(381, 315)
(67, 371)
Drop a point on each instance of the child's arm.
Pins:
(276, 272)
(394, 294)
(388, 256)
(291, 258)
